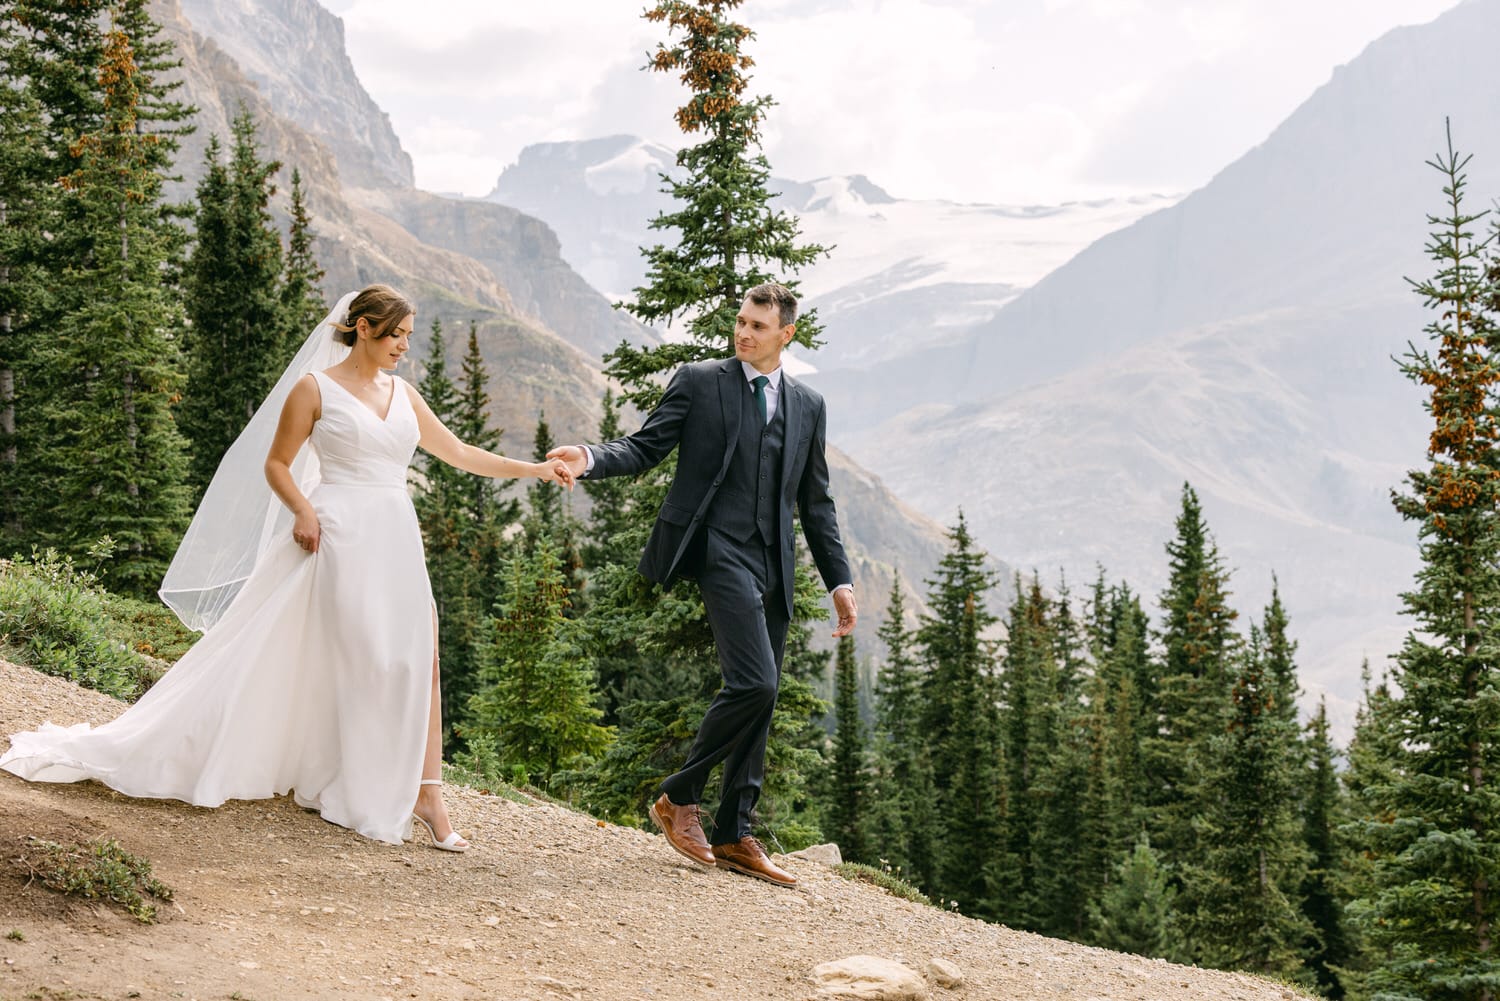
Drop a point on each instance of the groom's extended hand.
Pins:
(846, 609)
(573, 455)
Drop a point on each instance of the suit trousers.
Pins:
(741, 585)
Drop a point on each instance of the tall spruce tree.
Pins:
(1433, 818)
(117, 460)
(463, 523)
(301, 282)
(962, 721)
(1374, 756)
(1328, 949)
(240, 336)
(26, 203)
(728, 237)
(438, 499)
(902, 821)
(849, 799)
(1242, 894)
(488, 513)
(1191, 694)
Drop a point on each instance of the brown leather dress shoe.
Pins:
(683, 829)
(748, 855)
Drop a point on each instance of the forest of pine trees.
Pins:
(1099, 765)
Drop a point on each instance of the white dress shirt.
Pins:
(773, 388)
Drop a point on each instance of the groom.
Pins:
(750, 446)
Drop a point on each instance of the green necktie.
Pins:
(759, 382)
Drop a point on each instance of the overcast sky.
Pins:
(1009, 101)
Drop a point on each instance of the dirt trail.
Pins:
(272, 903)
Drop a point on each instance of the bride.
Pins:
(318, 669)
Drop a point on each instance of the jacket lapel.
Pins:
(790, 405)
(731, 391)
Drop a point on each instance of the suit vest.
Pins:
(746, 503)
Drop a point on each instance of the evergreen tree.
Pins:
(612, 514)
(536, 696)
(75, 89)
(1135, 914)
(964, 738)
(1329, 948)
(545, 505)
(487, 513)
(613, 541)
(1433, 818)
(438, 499)
(117, 460)
(301, 283)
(1374, 758)
(849, 795)
(1118, 718)
(729, 239)
(1243, 902)
(1192, 692)
(239, 338)
(26, 202)
(902, 819)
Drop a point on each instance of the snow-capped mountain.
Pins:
(930, 268)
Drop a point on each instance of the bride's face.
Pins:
(386, 352)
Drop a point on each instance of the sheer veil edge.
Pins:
(239, 516)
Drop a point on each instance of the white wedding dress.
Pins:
(318, 677)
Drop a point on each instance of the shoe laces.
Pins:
(692, 816)
(751, 841)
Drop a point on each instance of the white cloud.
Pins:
(964, 99)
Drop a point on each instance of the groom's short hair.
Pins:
(778, 295)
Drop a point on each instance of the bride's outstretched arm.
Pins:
(439, 441)
(297, 417)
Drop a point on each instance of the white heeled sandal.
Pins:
(453, 842)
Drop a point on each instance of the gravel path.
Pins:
(273, 903)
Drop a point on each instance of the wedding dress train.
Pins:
(318, 677)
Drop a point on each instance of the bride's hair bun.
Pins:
(383, 309)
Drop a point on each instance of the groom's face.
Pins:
(759, 335)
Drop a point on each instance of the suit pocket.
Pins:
(673, 514)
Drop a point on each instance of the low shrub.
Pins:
(98, 870)
(53, 615)
(883, 878)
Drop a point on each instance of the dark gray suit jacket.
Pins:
(699, 414)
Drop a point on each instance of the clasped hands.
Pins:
(555, 471)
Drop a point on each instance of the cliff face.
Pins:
(293, 51)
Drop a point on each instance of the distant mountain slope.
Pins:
(903, 273)
(1242, 340)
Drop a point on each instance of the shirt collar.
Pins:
(774, 376)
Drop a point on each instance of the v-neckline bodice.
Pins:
(389, 405)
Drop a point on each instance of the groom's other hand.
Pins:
(846, 609)
(574, 455)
